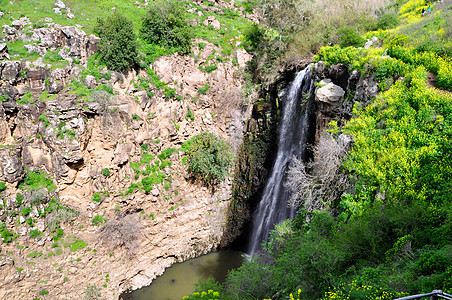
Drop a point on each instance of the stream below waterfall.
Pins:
(179, 279)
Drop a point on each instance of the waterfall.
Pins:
(293, 131)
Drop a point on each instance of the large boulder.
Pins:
(330, 94)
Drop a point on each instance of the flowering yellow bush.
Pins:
(209, 295)
(354, 290)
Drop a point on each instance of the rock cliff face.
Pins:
(338, 90)
(95, 149)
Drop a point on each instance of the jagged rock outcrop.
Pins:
(338, 91)
(74, 42)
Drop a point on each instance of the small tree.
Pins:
(326, 181)
(209, 157)
(118, 46)
(165, 25)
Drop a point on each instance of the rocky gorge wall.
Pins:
(97, 149)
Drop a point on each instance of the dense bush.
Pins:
(5, 234)
(165, 25)
(118, 47)
(254, 36)
(388, 21)
(209, 157)
(349, 37)
(37, 180)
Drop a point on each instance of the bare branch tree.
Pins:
(121, 232)
(318, 183)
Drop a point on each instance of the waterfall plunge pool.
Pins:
(178, 280)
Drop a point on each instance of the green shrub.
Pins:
(117, 47)
(167, 153)
(165, 25)
(43, 118)
(34, 254)
(35, 233)
(106, 172)
(19, 198)
(388, 21)
(97, 197)
(254, 36)
(6, 235)
(26, 211)
(92, 292)
(2, 186)
(155, 177)
(210, 68)
(349, 37)
(209, 157)
(189, 115)
(98, 220)
(204, 89)
(37, 180)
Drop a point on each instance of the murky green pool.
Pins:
(178, 280)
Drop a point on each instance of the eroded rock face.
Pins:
(10, 71)
(338, 92)
(11, 167)
(75, 140)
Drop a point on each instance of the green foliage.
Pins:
(204, 89)
(118, 47)
(167, 153)
(92, 293)
(106, 172)
(43, 118)
(74, 244)
(27, 98)
(98, 220)
(37, 180)
(34, 254)
(189, 115)
(19, 198)
(148, 182)
(209, 295)
(349, 37)
(26, 211)
(6, 235)
(254, 36)
(333, 258)
(388, 21)
(97, 197)
(209, 157)
(35, 233)
(353, 290)
(165, 25)
(406, 130)
(2, 186)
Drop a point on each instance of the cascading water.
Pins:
(293, 135)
